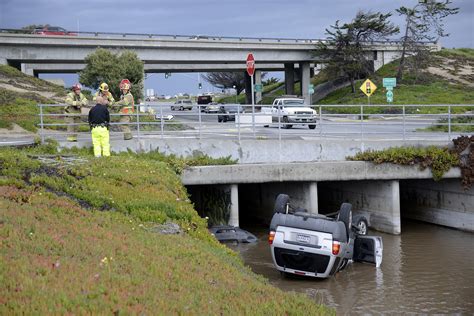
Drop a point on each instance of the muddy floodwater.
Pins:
(427, 269)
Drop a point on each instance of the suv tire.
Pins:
(281, 204)
(345, 216)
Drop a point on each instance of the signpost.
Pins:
(250, 71)
(389, 95)
(389, 84)
(368, 87)
(310, 92)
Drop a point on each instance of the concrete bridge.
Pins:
(379, 190)
(35, 54)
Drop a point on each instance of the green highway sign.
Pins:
(389, 82)
(389, 95)
(258, 87)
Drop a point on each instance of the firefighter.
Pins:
(104, 92)
(74, 100)
(99, 121)
(127, 108)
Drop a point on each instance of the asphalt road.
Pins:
(346, 127)
(203, 125)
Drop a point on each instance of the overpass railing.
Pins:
(200, 37)
(236, 121)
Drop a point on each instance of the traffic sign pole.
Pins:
(253, 106)
(250, 72)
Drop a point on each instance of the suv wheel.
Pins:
(313, 126)
(181, 108)
(281, 204)
(345, 216)
(362, 226)
(285, 122)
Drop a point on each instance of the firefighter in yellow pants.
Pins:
(74, 100)
(128, 104)
(99, 120)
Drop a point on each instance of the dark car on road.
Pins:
(53, 30)
(204, 99)
(228, 112)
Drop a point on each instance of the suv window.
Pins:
(293, 102)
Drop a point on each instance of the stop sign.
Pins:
(250, 64)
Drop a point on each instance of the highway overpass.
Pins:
(35, 54)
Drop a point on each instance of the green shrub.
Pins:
(439, 160)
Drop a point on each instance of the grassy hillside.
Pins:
(19, 96)
(447, 85)
(84, 238)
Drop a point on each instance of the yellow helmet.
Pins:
(104, 87)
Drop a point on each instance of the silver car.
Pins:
(182, 105)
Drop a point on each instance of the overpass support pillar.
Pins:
(258, 80)
(234, 205)
(3, 61)
(313, 197)
(27, 70)
(305, 78)
(289, 78)
(248, 89)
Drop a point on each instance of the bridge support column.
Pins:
(258, 80)
(234, 205)
(27, 70)
(248, 89)
(313, 197)
(3, 61)
(289, 78)
(304, 82)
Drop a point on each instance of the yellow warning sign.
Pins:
(368, 87)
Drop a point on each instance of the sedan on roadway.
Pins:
(228, 112)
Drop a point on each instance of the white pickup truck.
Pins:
(289, 111)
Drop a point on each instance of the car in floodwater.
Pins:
(227, 233)
(317, 245)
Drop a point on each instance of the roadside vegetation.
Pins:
(85, 236)
(438, 159)
(429, 89)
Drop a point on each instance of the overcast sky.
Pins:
(254, 18)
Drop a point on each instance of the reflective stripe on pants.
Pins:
(100, 140)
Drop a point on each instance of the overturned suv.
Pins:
(318, 245)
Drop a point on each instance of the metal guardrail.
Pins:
(158, 120)
(201, 37)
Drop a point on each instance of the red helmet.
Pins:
(76, 87)
(125, 84)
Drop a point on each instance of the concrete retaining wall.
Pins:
(443, 203)
(379, 199)
(259, 151)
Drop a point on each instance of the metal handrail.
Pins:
(204, 37)
(247, 130)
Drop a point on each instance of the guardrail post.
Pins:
(320, 121)
(200, 121)
(138, 121)
(449, 122)
(238, 124)
(41, 124)
(403, 109)
(162, 121)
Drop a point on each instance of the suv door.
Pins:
(368, 249)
